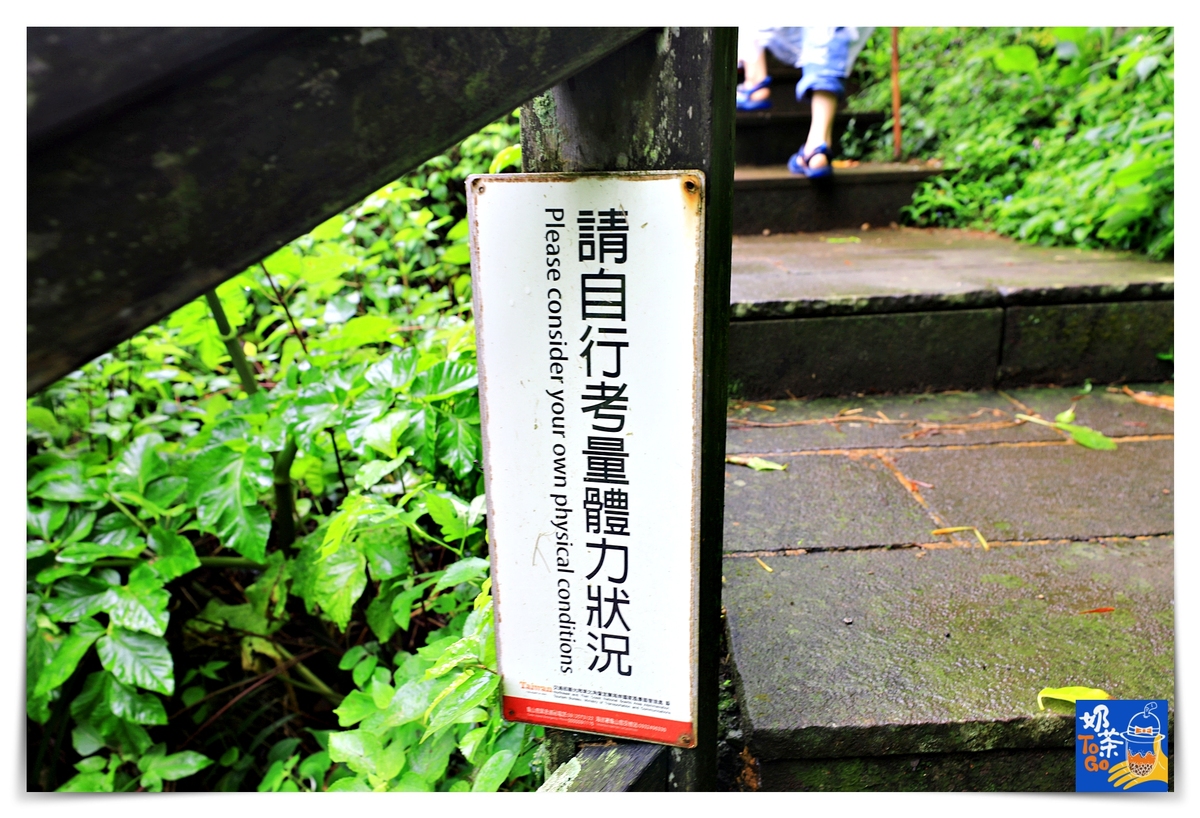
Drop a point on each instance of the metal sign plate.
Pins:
(588, 294)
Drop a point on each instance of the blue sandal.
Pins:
(798, 163)
(744, 103)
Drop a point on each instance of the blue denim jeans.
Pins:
(825, 54)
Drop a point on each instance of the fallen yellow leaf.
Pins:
(1070, 694)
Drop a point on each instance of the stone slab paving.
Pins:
(863, 651)
(882, 652)
(1050, 492)
(906, 270)
(821, 502)
(1116, 415)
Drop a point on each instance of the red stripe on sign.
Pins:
(605, 722)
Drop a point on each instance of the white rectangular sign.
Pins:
(588, 294)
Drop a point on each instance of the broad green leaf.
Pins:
(365, 329)
(350, 784)
(223, 485)
(92, 765)
(444, 379)
(315, 766)
(352, 657)
(371, 473)
(379, 614)
(461, 228)
(357, 749)
(1070, 694)
(328, 229)
(383, 434)
(465, 570)
(759, 464)
(410, 702)
(354, 708)
(1088, 437)
(473, 742)
(35, 548)
(175, 554)
(166, 490)
(320, 268)
(78, 525)
(470, 694)
(494, 771)
(140, 659)
(77, 598)
(505, 158)
(141, 605)
(68, 655)
(389, 762)
(429, 759)
(459, 254)
(105, 700)
(175, 766)
(1135, 172)
(82, 553)
(139, 465)
(458, 437)
(363, 670)
(39, 417)
(340, 580)
(42, 521)
(395, 370)
(387, 552)
(65, 482)
(411, 782)
(1017, 59)
(1074, 34)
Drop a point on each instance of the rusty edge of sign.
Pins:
(694, 189)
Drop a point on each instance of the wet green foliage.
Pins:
(1060, 136)
(282, 584)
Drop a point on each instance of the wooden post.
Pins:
(666, 102)
(896, 93)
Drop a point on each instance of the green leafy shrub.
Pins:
(234, 569)
(1061, 136)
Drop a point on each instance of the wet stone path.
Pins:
(869, 652)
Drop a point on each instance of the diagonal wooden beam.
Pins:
(160, 180)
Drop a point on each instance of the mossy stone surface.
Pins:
(819, 502)
(1048, 492)
(945, 649)
(900, 352)
(1067, 343)
(993, 771)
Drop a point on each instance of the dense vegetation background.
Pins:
(256, 555)
(255, 545)
(1059, 135)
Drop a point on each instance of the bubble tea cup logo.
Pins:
(1110, 759)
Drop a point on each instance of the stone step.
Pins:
(905, 310)
(769, 137)
(769, 198)
(868, 653)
